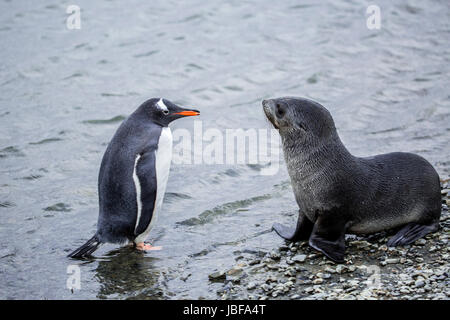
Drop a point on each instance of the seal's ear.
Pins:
(301, 125)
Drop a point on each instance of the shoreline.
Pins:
(371, 269)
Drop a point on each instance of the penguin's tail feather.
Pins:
(86, 249)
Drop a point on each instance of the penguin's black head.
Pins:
(163, 112)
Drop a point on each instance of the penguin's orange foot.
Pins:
(146, 246)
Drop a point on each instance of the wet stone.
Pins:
(341, 268)
(236, 270)
(420, 242)
(251, 286)
(275, 255)
(392, 260)
(217, 276)
(419, 284)
(318, 281)
(299, 258)
(253, 262)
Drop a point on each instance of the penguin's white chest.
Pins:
(163, 159)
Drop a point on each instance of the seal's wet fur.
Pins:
(339, 193)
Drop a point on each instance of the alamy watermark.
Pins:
(73, 21)
(373, 282)
(227, 147)
(374, 19)
(74, 279)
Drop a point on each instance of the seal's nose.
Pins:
(267, 103)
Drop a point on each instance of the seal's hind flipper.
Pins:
(411, 232)
(301, 232)
(328, 237)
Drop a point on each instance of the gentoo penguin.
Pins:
(133, 176)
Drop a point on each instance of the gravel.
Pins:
(371, 270)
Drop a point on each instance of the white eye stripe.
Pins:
(161, 105)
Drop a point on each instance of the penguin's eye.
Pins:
(166, 112)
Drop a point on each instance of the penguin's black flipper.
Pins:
(411, 232)
(86, 249)
(146, 176)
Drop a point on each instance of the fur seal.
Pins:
(339, 193)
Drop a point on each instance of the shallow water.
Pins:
(64, 93)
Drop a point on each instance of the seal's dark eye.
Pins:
(166, 112)
(280, 110)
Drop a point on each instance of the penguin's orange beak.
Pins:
(188, 113)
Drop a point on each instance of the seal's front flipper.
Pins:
(411, 232)
(283, 231)
(328, 237)
(301, 232)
